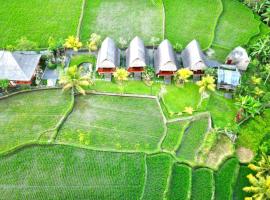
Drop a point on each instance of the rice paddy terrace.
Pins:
(108, 147)
(219, 24)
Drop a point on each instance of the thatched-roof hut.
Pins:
(238, 57)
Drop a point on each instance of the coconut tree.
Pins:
(73, 80)
(121, 75)
(73, 43)
(94, 42)
(182, 76)
(205, 85)
(249, 105)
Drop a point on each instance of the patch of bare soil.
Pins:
(245, 155)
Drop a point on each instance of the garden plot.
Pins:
(114, 123)
(236, 26)
(187, 20)
(25, 116)
(192, 140)
(62, 172)
(126, 19)
(38, 20)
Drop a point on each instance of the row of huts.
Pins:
(20, 67)
(165, 62)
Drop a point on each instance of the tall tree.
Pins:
(206, 84)
(121, 75)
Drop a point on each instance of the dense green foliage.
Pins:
(115, 123)
(174, 135)
(180, 184)
(158, 169)
(203, 184)
(62, 172)
(192, 140)
(38, 20)
(79, 59)
(242, 182)
(252, 132)
(114, 18)
(184, 25)
(24, 117)
(225, 179)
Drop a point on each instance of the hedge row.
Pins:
(180, 184)
(158, 170)
(203, 184)
(226, 179)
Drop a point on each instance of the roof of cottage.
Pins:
(18, 66)
(165, 59)
(239, 57)
(193, 57)
(229, 75)
(136, 53)
(108, 55)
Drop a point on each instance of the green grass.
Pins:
(62, 172)
(223, 111)
(174, 135)
(187, 20)
(177, 98)
(236, 25)
(203, 184)
(158, 169)
(131, 87)
(114, 123)
(252, 132)
(24, 116)
(192, 140)
(79, 59)
(180, 184)
(242, 182)
(114, 18)
(225, 179)
(38, 20)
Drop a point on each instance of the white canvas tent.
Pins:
(239, 57)
(193, 57)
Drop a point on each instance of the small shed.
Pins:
(165, 61)
(51, 76)
(19, 67)
(108, 58)
(238, 57)
(136, 57)
(193, 58)
(228, 77)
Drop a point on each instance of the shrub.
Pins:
(24, 44)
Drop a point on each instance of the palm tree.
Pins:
(148, 76)
(73, 80)
(206, 84)
(121, 75)
(182, 76)
(73, 43)
(4, 85)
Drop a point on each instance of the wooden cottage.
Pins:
(19, 67)
(194, 59)
(165, 61)
(108, 58)
(228, 77)
(136, 58)
(239, 58)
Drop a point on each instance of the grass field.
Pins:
(119, 123)
(38, 20)
(203, 184)
(79, 59)
(180, 184)
(184, 25)
(232, 29)
(61, 172)
(226, 178)
(158, 169)
(24, 117)
(174, 135)
(192, 140)
(114, 18)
